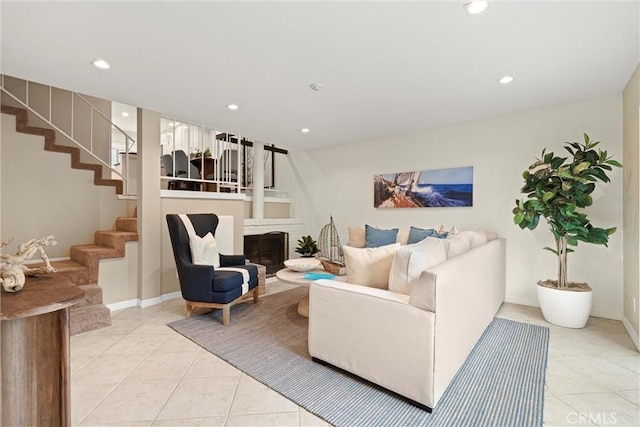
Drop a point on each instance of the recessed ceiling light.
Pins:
(304, 130)
(505, 80)
(101, 63)
(125, 114)
(232, 107)
(476, 6)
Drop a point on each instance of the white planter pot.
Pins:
(569, 309)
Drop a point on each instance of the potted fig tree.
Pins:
(558, 189)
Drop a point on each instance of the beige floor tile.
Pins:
(630, 362)
(85, 397)
(163, 366)
(192, 422)
(253, 397)
(200, 398)
(632, 396)
(78, 362)
(610, 376)
(604, 409)
(562, 380)
(208, 365)
(563, 349)
(176, 343)
(307, 419)
(558, 413)
(92, 345)
(131, 401)
(155, 326)
(146, 423)
(107, 368)
(134, 344)
(265, 420)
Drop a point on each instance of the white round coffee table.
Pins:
(297, 278)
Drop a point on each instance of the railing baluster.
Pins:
(72, 114)
(50, 103)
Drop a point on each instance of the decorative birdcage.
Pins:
(330, 250)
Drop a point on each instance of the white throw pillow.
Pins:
(369, 266)
(458, 243)
(478, 238)
(204, 250)
(411, 260)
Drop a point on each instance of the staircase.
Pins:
(22, 125)
(82, 268)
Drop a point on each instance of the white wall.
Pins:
(339, 181)
(632, 206)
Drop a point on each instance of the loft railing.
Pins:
(42, 105)
(217, 160)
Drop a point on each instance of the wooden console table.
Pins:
(35, 352)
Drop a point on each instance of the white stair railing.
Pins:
(95, 115)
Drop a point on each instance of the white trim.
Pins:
(632, 333)
(172, 295)
(136, 302)
(149, 302)
(530, 303)
(179, 194)
(123, 304)
(270, 199)
(39, 261)
(127, 197)
(250, 222)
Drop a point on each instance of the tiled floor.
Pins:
(139, 372)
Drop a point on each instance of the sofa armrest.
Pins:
(375, 334)
(231, 260)
(465, 292)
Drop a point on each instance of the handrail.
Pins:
(129, 142)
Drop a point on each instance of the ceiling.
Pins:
(386, 67)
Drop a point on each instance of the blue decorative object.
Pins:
(376, 237)
(318, 276)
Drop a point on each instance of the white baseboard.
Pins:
(632, 333)
(136, 302)
(123, 304)
(531, 303)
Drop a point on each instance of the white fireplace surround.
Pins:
(292, 226)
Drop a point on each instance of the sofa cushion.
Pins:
(418, 234)
(478, 238)
(411, 260)
(458, 243)
(376, 237)
(369, 266)
(356, 237)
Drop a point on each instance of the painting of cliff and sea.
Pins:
(438, 188)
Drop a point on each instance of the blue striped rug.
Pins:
(500, 384)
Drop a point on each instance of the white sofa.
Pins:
(410, 344)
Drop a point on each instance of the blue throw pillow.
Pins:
(375, 237)
(419, 234)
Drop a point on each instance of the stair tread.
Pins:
(124, 234)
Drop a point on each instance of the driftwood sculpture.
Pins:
(13, 271)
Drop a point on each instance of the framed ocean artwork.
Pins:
(437, 188)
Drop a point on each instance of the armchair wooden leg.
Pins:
(255, 294)
(226, 314)
(189, 310)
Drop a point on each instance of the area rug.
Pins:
(500, 384)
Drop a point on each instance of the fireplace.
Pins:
(269, 249)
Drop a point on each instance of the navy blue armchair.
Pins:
(204, 285)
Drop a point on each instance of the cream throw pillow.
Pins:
(369, 266)
(411, 260)
(204, 250)
(458, 243)
(357, 237)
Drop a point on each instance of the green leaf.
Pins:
(547, 248)
(548, 196)
(614, 163)
(580, 167)
(518, 218)
(547, 158)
